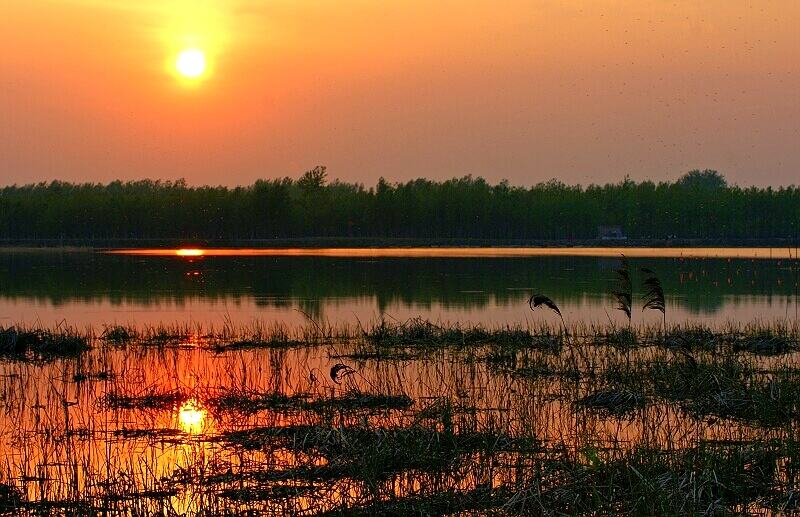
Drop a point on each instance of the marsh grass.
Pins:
(401, 340)
(613, 402)
(419, 333)
(508, 421)
(730, 389)
(248, 401)
(149, 399)
(10, 499)
(38, 344)
(118, 334)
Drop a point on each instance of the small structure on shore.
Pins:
(610, 233)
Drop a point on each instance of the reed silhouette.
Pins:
(654, 297)
(540, 300)
(623, 291)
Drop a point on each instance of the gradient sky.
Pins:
(583, 91)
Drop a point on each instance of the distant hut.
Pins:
(610, 233)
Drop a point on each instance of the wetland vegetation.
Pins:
(407, 417)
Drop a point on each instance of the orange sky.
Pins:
(519, 89)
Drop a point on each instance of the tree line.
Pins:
(700, 205)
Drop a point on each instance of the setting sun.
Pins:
(191, 63)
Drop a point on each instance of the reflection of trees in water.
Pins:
(310, 283)
(311, 307)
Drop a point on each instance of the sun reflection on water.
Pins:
(189, 252)
(191, 417)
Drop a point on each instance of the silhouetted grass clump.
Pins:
(91, 376)
(695, 338)
(11, 500)
(447, 502)
(756, 339)
(765, 342)
(729, 388)
(247, 401)
(532, 364)
(422, 334)
(18, 343)
(118, 334)
(710, 479)
(356, 400)
(369, 454)
(149, 399)
(613, 402)
(622, 338)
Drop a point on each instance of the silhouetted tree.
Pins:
(314, 179)
(707, 179)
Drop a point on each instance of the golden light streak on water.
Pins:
(186, 252)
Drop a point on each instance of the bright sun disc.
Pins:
(191, 63)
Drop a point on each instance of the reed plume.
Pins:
(654, 298)
(624, 289)
(539, 300)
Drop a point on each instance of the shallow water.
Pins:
(477, 286)
(197, 424)
(132, 427)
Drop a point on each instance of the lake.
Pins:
(488, 286)
(389, 382)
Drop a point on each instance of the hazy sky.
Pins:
(584, 91)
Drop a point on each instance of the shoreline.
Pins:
(469, 252)
(349, 243)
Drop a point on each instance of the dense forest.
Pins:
(699, 205)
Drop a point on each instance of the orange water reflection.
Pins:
(190, 252)
(192, 417)
(149, 448)
(453, 252)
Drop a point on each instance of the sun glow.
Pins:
(191, 63)
(195, 35)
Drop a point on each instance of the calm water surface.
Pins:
(145, 429)
(487, 286)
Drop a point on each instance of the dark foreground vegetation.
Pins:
(400, 418)
(701, 205)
